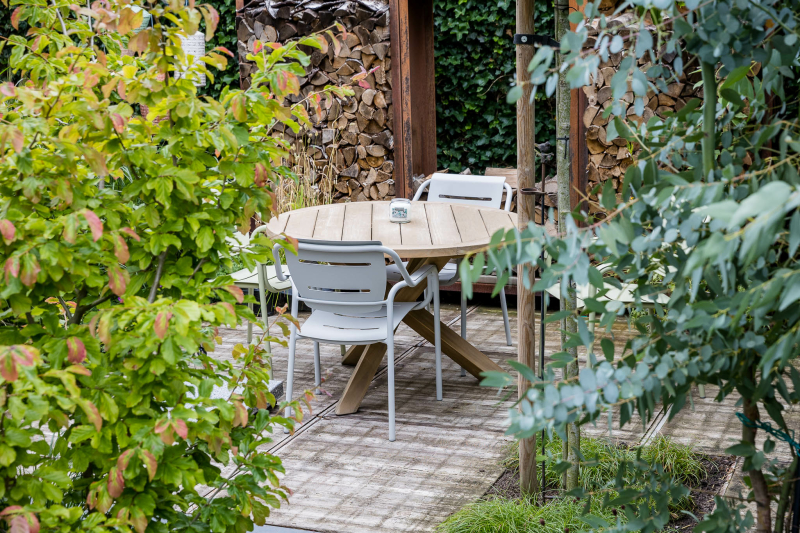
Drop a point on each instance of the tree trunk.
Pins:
(526, 160)
(757, 479)
(569, 324)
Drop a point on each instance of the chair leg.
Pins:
(290, 372)
(504, 307)
(390, 369)
(262, 297)
(317, 377)
(343, 349)
(249, 324)
(437, 337)
(702, 390)
(463, 326)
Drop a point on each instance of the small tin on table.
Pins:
(400, 210)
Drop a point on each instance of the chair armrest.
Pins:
(276, 255)
(422, 188)
(413, 281)
(509, 194)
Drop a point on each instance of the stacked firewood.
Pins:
(609, 160)
(353, 134)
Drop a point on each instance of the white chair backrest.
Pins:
(486, 191)
(339, 276)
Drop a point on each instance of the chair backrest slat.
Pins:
(485, 191)
(353, 273)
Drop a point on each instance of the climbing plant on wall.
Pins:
(475, 65)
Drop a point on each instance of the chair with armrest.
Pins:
(484, 191)
(344, 284)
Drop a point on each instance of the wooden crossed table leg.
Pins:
(369, 357)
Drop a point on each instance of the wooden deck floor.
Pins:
(347, 477)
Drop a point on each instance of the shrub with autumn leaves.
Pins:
(114, 232)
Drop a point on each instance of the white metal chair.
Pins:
(263, 277)
(344, 284)
(484, 191)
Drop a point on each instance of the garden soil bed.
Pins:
(718, 468)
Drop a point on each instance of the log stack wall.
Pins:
(354, 135)
(608, 160)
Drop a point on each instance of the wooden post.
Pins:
(579, 153)
(413, 91)
(526, 164)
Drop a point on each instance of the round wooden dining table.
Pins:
(436, 233)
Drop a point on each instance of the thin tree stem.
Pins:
(709, 144)
(159, 271)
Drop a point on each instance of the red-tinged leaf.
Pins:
(223, 50)
(8, 367)
(150, 464)
(121, 249)
(116, 483)
(124, 459)
(162, 426)
(30, 270)
(122, 90)
(8, 231)
(140, 41)
(236, 292)
(118, 280)
(76, 350)
(337, 47)
(33, 523)
(229, 307)
(17, 140)
(211, 17)
(79, 369)
(257, 47)
(180, 428)
(373, 69)
(15, 17)
(162, 323)
(139, 520)
(19, 525)
(92, 413)
(168, 437)
(118, 121)
(24, 354)
(262, 176)
(240, 415)
(95, 224)
(11, 268)
(261, 400)
(364, 85)
(239, 107)
(11, 509)
(323, 43)
(132, 233)
(8, 89)
(70, 233)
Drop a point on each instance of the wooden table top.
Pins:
(436, 229)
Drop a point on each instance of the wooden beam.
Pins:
(413, 91)
(579, 153)
(526, 175)
(401, 95)
(423, 89)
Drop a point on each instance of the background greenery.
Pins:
(475, 65)
(475, 127)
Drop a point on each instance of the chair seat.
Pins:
(625, 295)
(447, 275)
(249, 279)
(359, 328)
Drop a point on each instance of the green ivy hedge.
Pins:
(475, 66)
